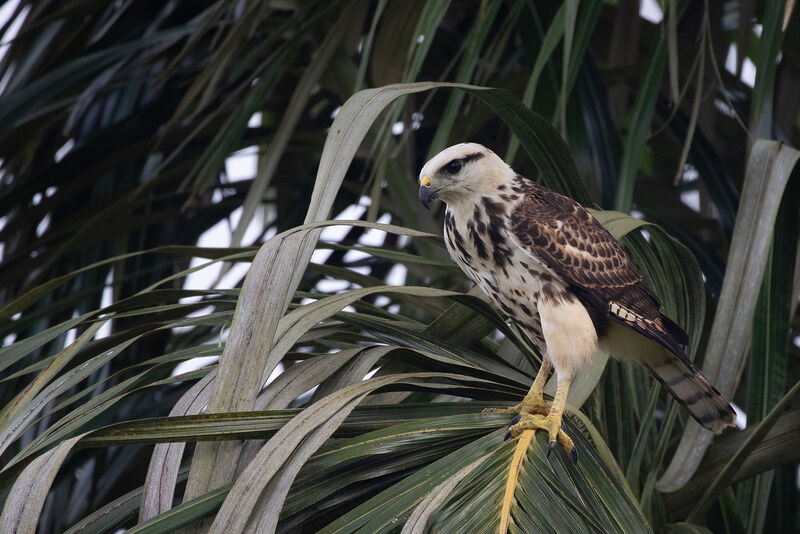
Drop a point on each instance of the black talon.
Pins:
(513, 422)
(550, 448)
(575, 455)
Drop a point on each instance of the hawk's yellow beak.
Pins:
(426, 191)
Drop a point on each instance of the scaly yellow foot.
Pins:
(529, 406)
(551, 424)
(534, 400)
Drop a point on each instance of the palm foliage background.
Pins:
(116, 120)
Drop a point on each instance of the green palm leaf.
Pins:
(115, 167)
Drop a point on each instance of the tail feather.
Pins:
(675, 330)
(693, 390)
(686, 383)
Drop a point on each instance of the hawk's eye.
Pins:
(454, 166)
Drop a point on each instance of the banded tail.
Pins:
(686, 383)
(693, 390)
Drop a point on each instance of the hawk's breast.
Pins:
(478, 241)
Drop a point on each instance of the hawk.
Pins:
(549, 265)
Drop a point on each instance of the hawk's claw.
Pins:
(511, 423)
(550, 424)
(525, 420)
(537, 405)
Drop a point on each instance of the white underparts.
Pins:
(569, 335)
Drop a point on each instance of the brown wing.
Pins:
(569, 240)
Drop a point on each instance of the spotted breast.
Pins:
(478, 241)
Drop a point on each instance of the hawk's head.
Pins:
(461, 172)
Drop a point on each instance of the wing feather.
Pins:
(571, 242)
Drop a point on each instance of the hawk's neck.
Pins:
(477, 227)
(478, 238)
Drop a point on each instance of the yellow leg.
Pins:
(550, 423)
(534, 401)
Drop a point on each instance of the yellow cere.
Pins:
(425, 181)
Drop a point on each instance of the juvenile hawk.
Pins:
(546, 262)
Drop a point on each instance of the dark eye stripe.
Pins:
(464, 160)
(472, 157)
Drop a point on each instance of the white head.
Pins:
(461, 172)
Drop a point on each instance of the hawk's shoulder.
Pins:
(569, 240)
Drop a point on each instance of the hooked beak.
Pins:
(426, 191)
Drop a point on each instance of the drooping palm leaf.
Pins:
(119, 119)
